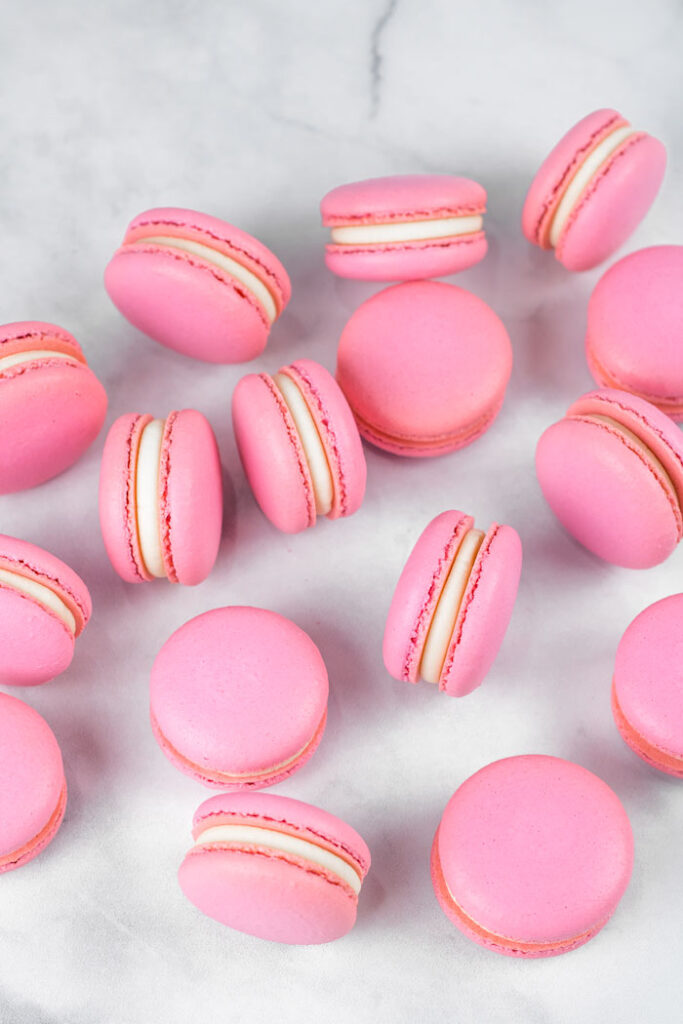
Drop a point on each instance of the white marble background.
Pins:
(252, 111)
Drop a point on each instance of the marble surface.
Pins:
(252, 112)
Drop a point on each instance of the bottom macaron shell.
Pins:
(407, 261)
(652, 755)
(283, 899)
(35, 846)
(117, 497)
(36, 645)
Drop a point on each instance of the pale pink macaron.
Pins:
(405, 227)
(161, 497)
(275, 868)
(453, 603)
(299, 445)
(532, 856)
(647, 689)
(32, 784)
(52, 406)
(197, 284)
(44, 607)
(635, 326)
(424, 366)
(593, 190)
(238, 698)
(612, 472)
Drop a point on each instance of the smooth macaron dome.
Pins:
(238, 698)
(647, 689)
(161, 497)
(275, 868)
(32, 783)
(635, 324)
(593, 189)
(404, 227)
(197, 284)
(612, 473)
(52, 406)
(44, 607)
(453, 603)
(299, 445)
(532, 856)
(424, 366)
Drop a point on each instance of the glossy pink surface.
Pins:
(635, 322)
(32, 784)
(51, 410)
(424, 366)
(35, 643)
(532, 856)
(238, 697)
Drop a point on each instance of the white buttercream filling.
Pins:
(405, 230)
(447, 608)
(314, 451)
(582, 176)
(42, 594)
(147, 497)
(17, 358)
(282, 842)
(223, 262)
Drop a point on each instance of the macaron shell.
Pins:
(38, 335)
(44, 567)
(403, 197)
(117, 497)
(406, 261)
(662, 760)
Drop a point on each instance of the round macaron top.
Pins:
(32, 785)
(238, 696)
(424, 366)
(36, 336)
(635, 322)
(533, 851)
(403, 197)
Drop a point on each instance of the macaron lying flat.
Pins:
(647, 690)
(299, 445)
(161, 497)
(453, 603)
(532, 856)
(44, 606)
(635, 326)
(52, 406)
(405, 227)
(197, 284)
(238, 698)
(593, 190)
(32, 784)
(424, 366)
(275, 868)
(612, 472)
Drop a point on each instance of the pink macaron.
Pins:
(647, 690)
(52, 406)
(405, 227)
(593, 190)
(424, 366)
(532, 856)
(32, 784)
(44, 606)
(161, 497)
(612, 472)
(238, 698)
(453, 603)
(635, 326)
(299, 445)
(197, 284)
(275, 868)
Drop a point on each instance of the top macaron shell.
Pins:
(51, 409)
(404, 198)
(189, 303)
(424, 366)
(635, 323)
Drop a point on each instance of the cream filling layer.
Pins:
(42, 595)
(447, 608)
(246, 277)
(319, 467)
(405, 230)
(587, 170)
(147, 497)
(282, 842)
(17, 358)
(636, 441)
